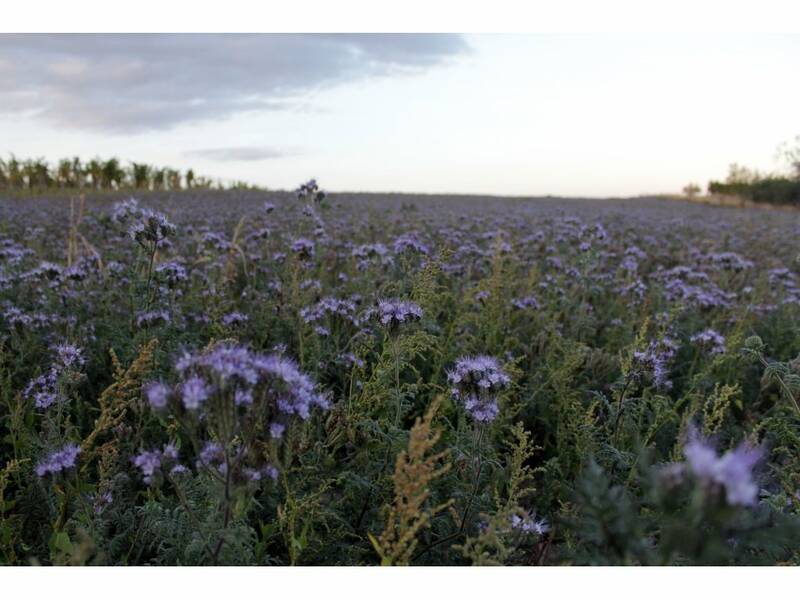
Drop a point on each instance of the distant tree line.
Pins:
(772, 188)
(98, 174)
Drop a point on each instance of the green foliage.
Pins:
(585, 463)
(110, 175)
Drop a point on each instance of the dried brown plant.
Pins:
(414, 471)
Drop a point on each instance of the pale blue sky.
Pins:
(584, 115)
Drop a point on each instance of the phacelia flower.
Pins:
(194, 392)
(733, 471)
(59, 461)
(476, 382)
(711, 340)
(157, 394)
(393, 313)
(528, 524)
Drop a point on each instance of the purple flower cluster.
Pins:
(711, 340)
(69, 357)
(653, 362)
(60, 460)
(529, 524)
(101, 501)
(730, 261)
(526, 302)
(256, 475)
(293, 392)
(172, 272)
(213, 457)
(234, 319)
(157, 394)
(303, 248)
(732, 472)
(194, 392)
(327, 308)
(44, 390)
(476, 382)
(244, 377)
(366, 253)
(693, 288)
(146, 227)
(409, 242)
(310, 191)
(152, 462)
(13, 252)
(152, 318)
(393, 313)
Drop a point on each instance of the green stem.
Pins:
(150, 276)
(397, 393)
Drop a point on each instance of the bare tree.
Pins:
(789, 153)
(691, 191)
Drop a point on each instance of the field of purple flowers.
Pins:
(258, 378)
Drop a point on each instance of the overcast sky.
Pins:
(591, 115)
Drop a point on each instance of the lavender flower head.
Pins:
(526, 302)
(392, 313)
(529, 524)
(310, 191)
(59, 461)
(733, 471)
(45, 390)
(147, 227)
(303, 248)
(152, 318)
(250, 378)
(653, 362)
(234, 319)
(294, 392)
(149, 462)
(255, 388)
(476, 382)
(173, 273)
(152, 462)
(157, 394)
(69, 356)
(194, 393)
(710, 339)
(329, 307)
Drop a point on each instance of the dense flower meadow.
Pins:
(264, 378)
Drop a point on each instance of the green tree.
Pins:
(16, 179)
(64, 174)
(95, 170)
(174, 179)
(691, 190)
(738, 174)
(112, 174)
(159, 176)
(789, 153)
(78, 172)
(140, 175)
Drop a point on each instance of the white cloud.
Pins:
(139, 82)
(240, 153)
